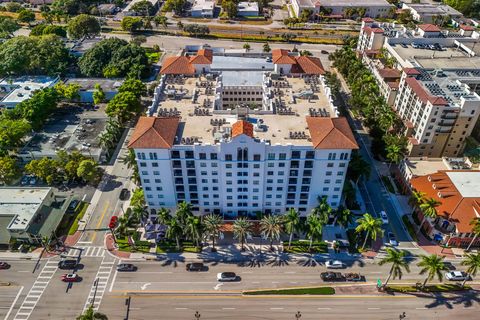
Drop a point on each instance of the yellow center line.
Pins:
(100, 221)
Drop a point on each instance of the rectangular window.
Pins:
(143, 164)
(256, 157)
(213, 156)
(155, 164)
(295, 154)
(202, 155)
(158, 181)
(228, 157)
(271, 156)
(282, 156)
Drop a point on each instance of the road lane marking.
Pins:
(228, 308)
(276, 308)
(255, 282)
(421, 308)
(100, 221)
(181, 308)
(113, 281)
(247, 272)
(375, 272)
(293, 282)
(24, 271)
(324, 308)
(14, 303)
(373, 308)
(289, 272)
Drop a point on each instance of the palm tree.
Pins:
(472, 262)
(397, 260)
(193, 228)
(417, 198)
(212, 224)
(432, 265)
(475, 223)
(314, 228)
(271, 227)
(323, 210)
(246, 46)
(343, 216)
(174, 231)
(184, 210)
(429, 210)
(241, 229)
(292, 223)
(140, 214)
(358, 168)
(129, 159)
(164, 216)
(373, 227)
(90, 314)
(122, 227)
(394, 153)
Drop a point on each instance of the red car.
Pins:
(70, 277)
(4, 265)
(113, 222)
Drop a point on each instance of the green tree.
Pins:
(131, 24)
(470, 8)
(88, 171)
(161, 21)
(314, 228)
(271, 227)
(472, 262)
(292, 224)
(432, 265)
(343, 216)
(241, 230)
(13, 6)
(230, 7)
(36, 109)
(196, 30)
(429, 209)
(12, 133)
(143, 8)
(9, 170)
(90, 314)
(416, 198)
(138, 198)
(98, 94)
(475, 223)
(124, 106)
(358, 168)
(164, 216)
(139, 40)
(69, 92)
(246, 46)
(184, 210)
(7, 26)
(174, 5)
(135, 86)
(46, 169)
(26, 16)
(266, 48)
(174, 231)
(193, 228)
(397, 261)
(305, 15)
(44, 29)
(372, 226)
(212, 224)
(83, 26)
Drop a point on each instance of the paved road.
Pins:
(245, 308)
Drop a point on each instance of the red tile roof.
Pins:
(368, 19)
(204, 56)
(154, 133)
(423, 95)
(411, 71)
(454, 206)
(308, 65)
(389, 73)
(331, 133)
(429, 27)
(280, 56)
(466, 27)
(177, 65)
(369, 30)
(242, 127)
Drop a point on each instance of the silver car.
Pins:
(226, 276)
(334, 264)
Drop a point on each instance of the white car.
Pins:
(334, 264)
(226, 276)
(456, 276)
(384, 217)
(392, 240)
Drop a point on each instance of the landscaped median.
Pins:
(322, 291)
(304, 247)
(429, 288)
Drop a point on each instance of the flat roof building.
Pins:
(87, 87)
(247, 9)
(202, 9)
(373, 8)
(430, 12)
(16, 90)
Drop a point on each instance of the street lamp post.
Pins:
(127, 303)
(95, 283)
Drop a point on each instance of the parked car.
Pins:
(126, 267)
(323, 51)
(70, 277)
(67, 264)
(226, 276)
(449, 266)
(4, 266)
(73, 206)
(456, 276)
(334, 264)
(384, 217)
(354, 277)
(124, 194)
(332, 276)
(196, 266)
(392, 240)
(32, 181)
(269, 59)
(24, 180)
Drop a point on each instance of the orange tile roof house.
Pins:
(458, 193)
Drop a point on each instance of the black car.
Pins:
(354, 277)
(449, 266)
(324, 51)
(332, 276)
(126, 267)
(73, 206)
(196, 266)
(4, 266)
(124, 194)
(68, 264)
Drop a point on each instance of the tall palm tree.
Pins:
(343, 216)
(432, 265)
(271, 227)
(241, 229)
(292, 223)
(394, 153)
(212, 224)
(475, 223)
(358, 168)
(397, 260)
(314, 228)
(174, 231)
(472, 262)
(122, 227)
(129, 159)
(429, 209)
(371, 225)
(139, 214)
(416, 198)
(91, 314)
(193, 228)
(184, 210)
(164, 216)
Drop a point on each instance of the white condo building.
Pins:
(284, 152)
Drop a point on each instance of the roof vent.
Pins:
(439, 194)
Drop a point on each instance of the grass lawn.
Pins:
(410, 228)
(302, 247)
(69, 224)
(140, 246)
(429, 288)
(296, 291)
(168, 246)
(388, 184)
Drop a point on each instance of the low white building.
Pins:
(16, 90)
(428, 12)
(87, 87)
(373, 8)
(202, 9)
(247, 9)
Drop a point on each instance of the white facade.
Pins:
(373, 8)
(242, 176)
(202, 9)
(247, 9)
